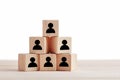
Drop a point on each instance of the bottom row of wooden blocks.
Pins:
(47, 62)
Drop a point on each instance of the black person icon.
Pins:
(37, 45)
(48, 63)
(32, 64)
(50, 30)
(64, 63)
(64, 46)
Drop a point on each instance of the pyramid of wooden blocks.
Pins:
(48, 53)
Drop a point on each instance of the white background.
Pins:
(94, 25)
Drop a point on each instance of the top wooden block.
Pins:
(50, 28)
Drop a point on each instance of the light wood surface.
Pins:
(87, 70)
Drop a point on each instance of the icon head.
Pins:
(50, 25)
(32, 59)
(48, 59)
(64, 59)
(64, 42)
(37, 42)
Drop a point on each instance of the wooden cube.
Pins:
(60, 45)
(38, 45)
(28, 62)
(66, 62)
(50, 28)
(47, 62)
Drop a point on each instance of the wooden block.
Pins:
(60, 45)
(66, 62)
(38, 45)
(47, 62)
(50, 28)
(28, 62)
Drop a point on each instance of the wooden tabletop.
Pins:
(87, 70)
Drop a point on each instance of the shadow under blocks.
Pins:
(48, 52)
